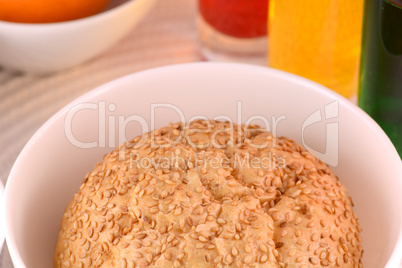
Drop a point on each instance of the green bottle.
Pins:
(380, 92)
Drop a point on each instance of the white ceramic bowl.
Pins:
(47, 47)
(52, 166)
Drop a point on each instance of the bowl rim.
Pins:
(394, 259)
(89, 19)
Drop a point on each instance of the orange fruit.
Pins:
(42, 11)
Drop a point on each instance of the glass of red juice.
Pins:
(233, 30)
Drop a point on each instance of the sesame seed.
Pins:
(247, 248)
(217, 259)
(299, 259)
(311, 247)
(232, 183)
(202, 239)
(248, 259)
(123, 244)
(275, 216)
(149, 257)
(301, 241)
(279, 244)
(324, 263)
(323, 244)
(221, 221)
(284, 233)
(263, 248)
(292, 252)
(298, 233)
(328, 209)
(167, 256)
(296, 193)
(228, 259)
(304, 209)
(312, 260)
(288, 216)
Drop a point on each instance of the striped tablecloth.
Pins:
(166, 36)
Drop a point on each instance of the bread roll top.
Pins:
(210, 194)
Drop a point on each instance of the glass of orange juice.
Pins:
(319, 40)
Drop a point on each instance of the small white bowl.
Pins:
(52, 166)
(46, 47)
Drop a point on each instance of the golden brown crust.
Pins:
(220, 196)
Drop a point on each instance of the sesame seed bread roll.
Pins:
(210, 194)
